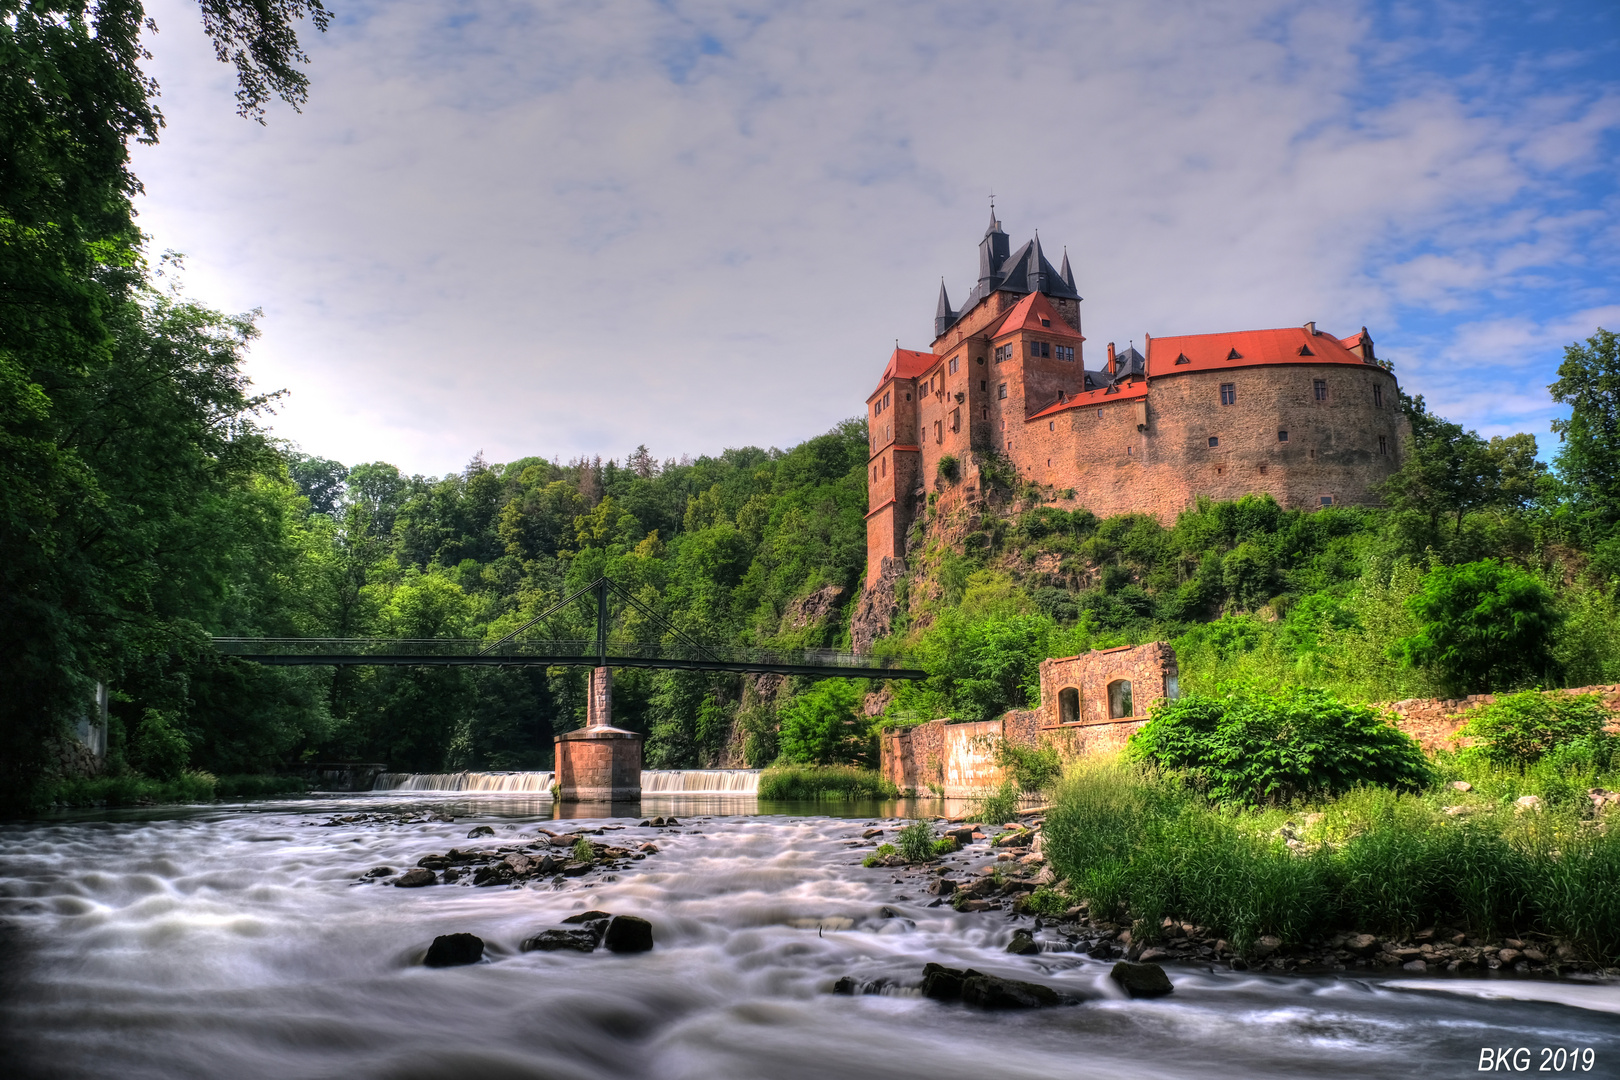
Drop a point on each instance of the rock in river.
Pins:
(1141, 980)
(628, 933)
(480, 830)
(449, 950)
(1023, 943)
(993, 992)
(415, 878)
(555, 940)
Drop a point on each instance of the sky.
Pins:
(566, 229)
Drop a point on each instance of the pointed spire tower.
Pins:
(1066, 274)
(992, 254)
(1035, 279)
(943, 315)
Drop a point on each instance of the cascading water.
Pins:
(653, 781)
(700, 781)
(539, 782)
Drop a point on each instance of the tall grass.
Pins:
(808, 783)
(1140, 846)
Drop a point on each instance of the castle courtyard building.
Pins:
(1312, 419)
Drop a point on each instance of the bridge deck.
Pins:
(451, 652)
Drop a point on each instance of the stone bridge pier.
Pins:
(599, 762)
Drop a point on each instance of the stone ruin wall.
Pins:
(958, 760)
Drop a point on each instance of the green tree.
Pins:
(1482, 626)
(1588, 460)
(1452, 471)
(823, 726)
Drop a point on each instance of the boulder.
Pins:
(1462, 785)
(583, 940)
(434, 862)
(1526, 803)
(1415, 965)
(993, 992)
(941, 887)
(1264, 946)
(1361, 944)
(1023, 944)
(588, 917)
(942, 983)
(379, 871)
(628, 933)
(450, 950)
(499, 874)
(1141, 980)
(869, 833)
(576, 868)
(1507, 956)
(415, 879)
(851, 986)
(480, 830)
(963, 837)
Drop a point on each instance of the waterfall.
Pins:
(464, 781)
(653, 781)
(693, 781)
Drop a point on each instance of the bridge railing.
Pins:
(563, 649)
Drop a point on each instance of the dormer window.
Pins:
(1305, 350)
(1046, 322)
(1234, 355)
(1181, 358)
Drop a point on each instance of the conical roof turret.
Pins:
(943, 315)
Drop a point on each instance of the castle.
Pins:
(1312, 419)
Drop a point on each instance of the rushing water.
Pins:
(653, 781)
(240, 943)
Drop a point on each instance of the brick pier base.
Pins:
(599, 762)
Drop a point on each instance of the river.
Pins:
(239, 942)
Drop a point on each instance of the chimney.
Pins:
(1110, 368)
(1310, 328)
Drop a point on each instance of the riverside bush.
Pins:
(1242, 744)
(1139, 845)
(805, 783)
(916, 841)
(1522, 728)
(1001, 805)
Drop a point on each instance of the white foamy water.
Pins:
(239, 943)
(653, 781)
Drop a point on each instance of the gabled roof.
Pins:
(904, 364)
(1029, 313)
(1209, 352)
(1092, 398)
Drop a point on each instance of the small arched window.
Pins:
(1119, 699)
(1068, 705)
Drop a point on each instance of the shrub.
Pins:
(947, 468)
(823, 727)
(1245, 745)
(799, 783)
(1481, 626)
(916, 841)
(160, 750)
(1033, 768)
(582, 851)
(883, 852)
(1001, 805)
(1521, 728)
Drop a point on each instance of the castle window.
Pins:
(1003, 352)
(1383, 444)
(1378, 397)
(1039, 348)
(954, 361)
(1001, 392)
(1046, 322)
(984, 412)
(956, 419)
(1214, 441)
(1320, 386)
(1327, 500)
(1068, 705)
(1228, 393)
(1066, 352)
(939, 431)
(1120, 705)
(1129, 450)
(1051, 425)
(983, 385)
(981, 361)
(1099, 414)
(1282, 436)
(908, 395)
(1262, 470)
(883, 466)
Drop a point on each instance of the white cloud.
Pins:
(571, 229)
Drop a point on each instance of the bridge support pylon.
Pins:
(599, 762)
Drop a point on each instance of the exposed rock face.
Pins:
(1141, 980)
(874, 615)
(815, 608)
(450, 950)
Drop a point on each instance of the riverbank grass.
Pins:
(816, 783)
(1139, 845)
(188, 787)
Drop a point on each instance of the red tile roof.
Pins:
(1029, 313)
(905, 364)
(1207, 352)
(1092, 398)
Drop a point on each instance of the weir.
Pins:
(653, 781)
